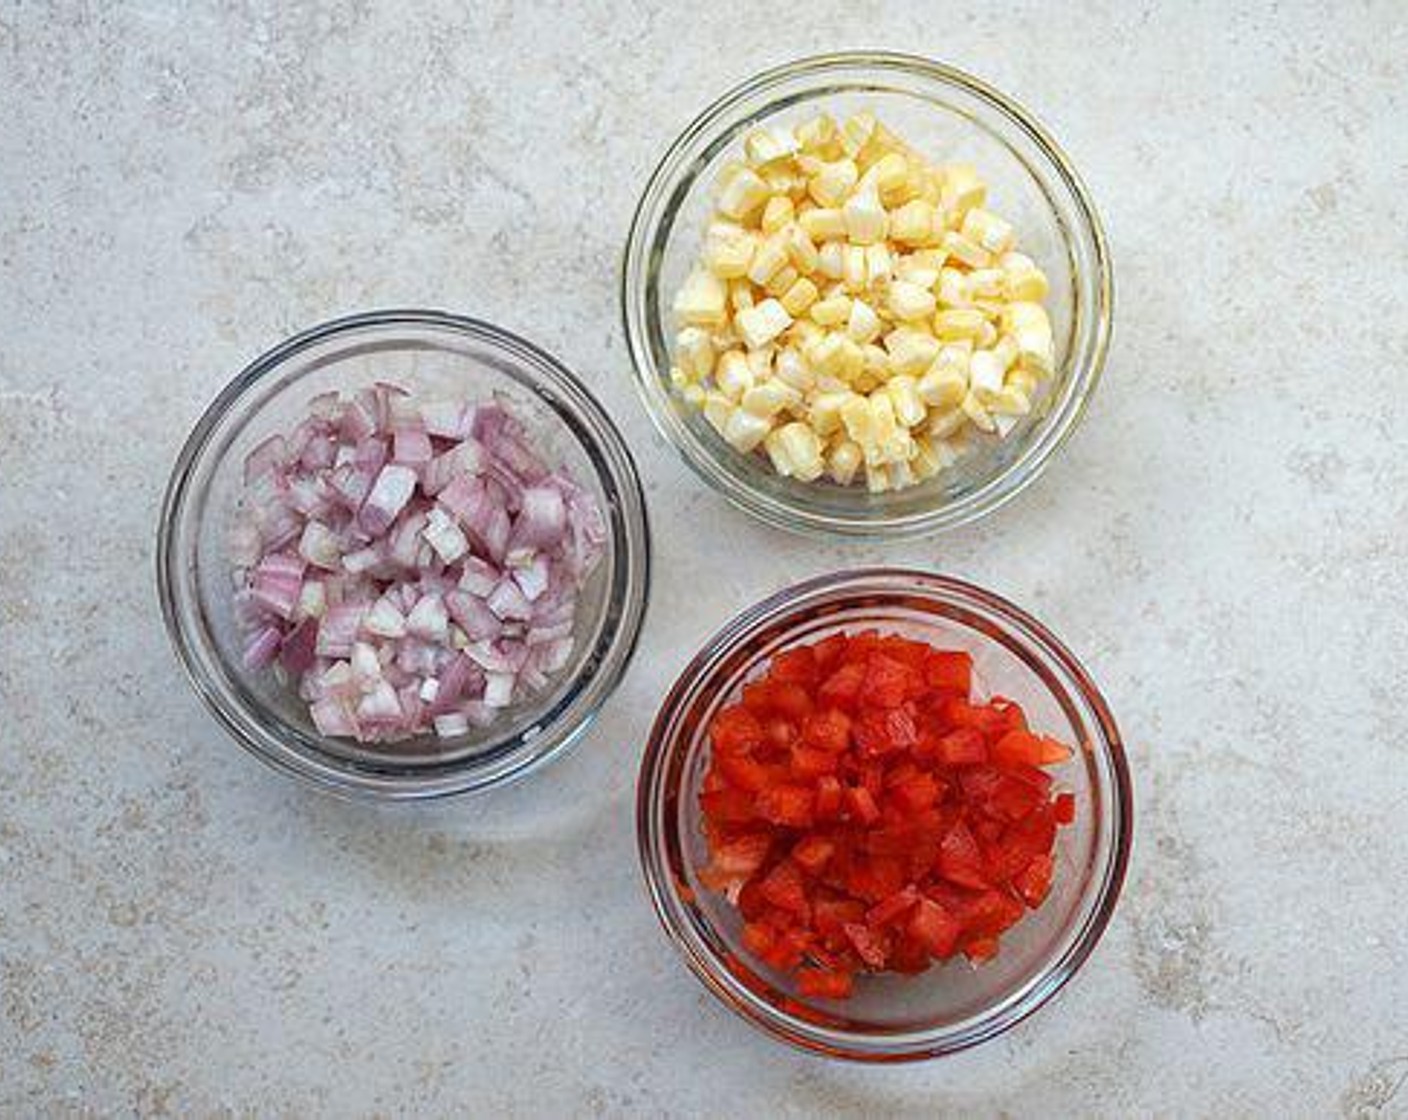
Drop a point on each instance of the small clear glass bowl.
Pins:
(892, 1018)
(949, 116)
(432, 354)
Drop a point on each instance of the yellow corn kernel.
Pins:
(912, 351)
(799, 297)
(856, 132)
(1025, 285)
(877, 478)
(941, 389)
(986, 374)
(843, 460)
(885, 430)
(760, 362)
(876, 365)
(694, 395)
(768, 258)
(1022, 381)
(879, 266)
(953, 288)
(916, 272)
(1009, 402)
(974, 410)
(745, 430)
(854, 273)
(866, 219)
(833, 182)
(986, 337)
(832, 311)
(901, 475)
(800, 250)
(1007, 349)
(953, 323)
(694, 351)
(717, 409)
(908, 189)
(889, 172)
(768, 398)
(967, 252)
(802, 334)
(740, 294)
(733, 375)
(962, 189)
(761, 324)
(743, 192)
(825, 411)
(836, 355)
(802, 448)
(817, 132)
(782, 281)
(904, 399)
(987, 283)
(701, 300)
(988, 230)
(792, 369)
(777, 213)
(909, 301)
(766, 145)
(863, 324)
(823, 224)
(858, 420)
(944, 422)
(831, 259)
(728, 248)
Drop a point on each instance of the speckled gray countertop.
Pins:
(1224, 543)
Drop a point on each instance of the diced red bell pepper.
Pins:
(934, 928)
(960, 860)
(824, 985)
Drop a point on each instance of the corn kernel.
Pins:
(1022, 381)
(792, 369)
(768, 258)
(837, 355)
(962, 189)
(866, 219)
(831, 259)
(843, 460)
(777, 213)
(863, 324)
(877, 478)
(733, 375)
(701, 301)
(953, 323)
(1025, 285)
(760, 325)
(1009, 402)
(968, 252)
(740, 294)
(826, 411)
(766, 145)
(745, 430)
(760, 362)
(915, 272)
(823, 224)
(986, 337)
(694, 351)
(743, 192)
(913, 223)
(975, 412)
(904, 398)
(833, 182)
(800, 250)
(831, 311)
(944, 422)
(782, 281)
(912, 351)
(879, 266)
(856, 132)
(799, 297)
(909, 301)
(768, 398)
(717, 410)
(802, 447)
(854, 274)
(694, 395)
(953, 288)
(985, 374)
(859, 421)
(728, 248)
(802, 334)
(988, 230)
(817, 132)
(987, 283)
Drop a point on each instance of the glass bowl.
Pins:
(955, 1005)
(949, 116)
(430, 353)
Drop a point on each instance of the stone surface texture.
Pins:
(1224, 543)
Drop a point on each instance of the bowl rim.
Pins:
(995, 492)
(651, 825)
(390, 784)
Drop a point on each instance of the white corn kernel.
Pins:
(817, 132)
(767, 145)
(863, 324)
(877, 478)
(831, 259)
(910, 301)
(911, 351)
(744, 431)
(854, 271)
(717, 410)
(968, 252)
(832, 311)
(914, 272)
(701, 301)
(879, 266)
(1009, 402)
(866, 219)
(975, 412)
(843, 460)
(940, 388)
(962, 189)
(826, 409)
(987, 283)
(694, 351)
(833, 182)
(953, 288)
(743, 192)
(733, 375)
(888, 173)
(740, 294)
(799, 297)
(728, 249)
(782, 281)
(988, 230)
(760, 362)
(777, 213)
(768, 258)
(944, 422)
(954, 323)
(792, 369)
(800, 250)
(803, 450)
(985, 374)
(823, 224)
(904, 399)
(760, 325)
(768, 398)
(913, 223)
(836, 355)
